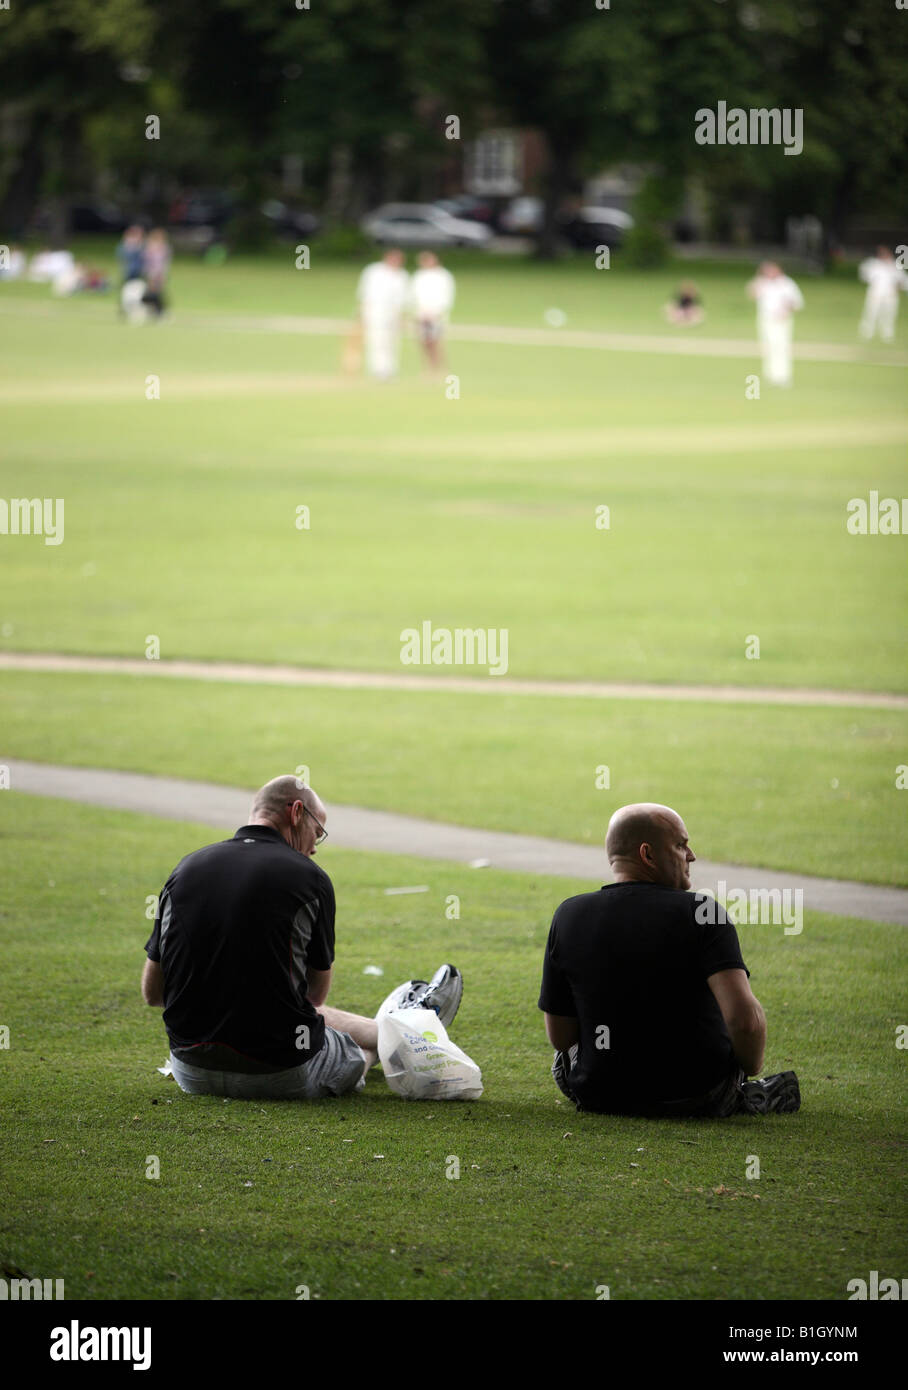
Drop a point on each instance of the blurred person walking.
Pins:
(156, 265)
(382, 295)
(884, 278)
(778, 299)
(131, 256)
(432, 292)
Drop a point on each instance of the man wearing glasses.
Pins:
(240, 959)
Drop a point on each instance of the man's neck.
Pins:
(623, 875)
(268, 825)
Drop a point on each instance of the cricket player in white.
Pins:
(883, 278)
(431, 300)
(778, 299)
(382, 293)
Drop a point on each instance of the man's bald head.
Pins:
(271, 800)
(290, 807)
(647, 843)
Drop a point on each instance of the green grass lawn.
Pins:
(496, 289)
(808, 790)
(727, 516)
(350, 1197)
(727, 522)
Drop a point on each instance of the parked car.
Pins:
(422, 224)
(201, 209)
(96, 216)
(473, 209)
(522, 217)
(285, 221)
(596, 226)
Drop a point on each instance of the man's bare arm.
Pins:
(319, 985)
(562, 1031)
(153, 984)
(743, 1015)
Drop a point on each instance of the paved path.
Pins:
(250, 673)
(226, 808)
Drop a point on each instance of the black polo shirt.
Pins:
(631, 962)
(239, 924)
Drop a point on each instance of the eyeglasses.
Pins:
(322, 835)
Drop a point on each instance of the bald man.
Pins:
(241, 956)
(650, 1009)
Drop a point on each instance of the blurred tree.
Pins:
(846, 64)
(357, 88)
(61, 63)
(606, 85)
(624, 83)
(360, 91)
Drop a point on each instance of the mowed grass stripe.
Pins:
(490, 685)
(506, 336)
(184, 385)
(810, 791)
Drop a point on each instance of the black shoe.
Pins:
(774, 1095)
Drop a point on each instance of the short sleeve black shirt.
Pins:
(631, 963)
(238, 926)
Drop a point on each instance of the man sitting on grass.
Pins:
(240, 958)
(648, 1007)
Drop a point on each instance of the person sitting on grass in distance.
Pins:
(686, 308)
(646, 998)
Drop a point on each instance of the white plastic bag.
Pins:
(419, 1060)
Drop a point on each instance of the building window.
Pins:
(493, 165)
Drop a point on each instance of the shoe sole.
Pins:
(453, 988)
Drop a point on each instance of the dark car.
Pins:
(201, 209)
(285, 221)
(590, 226)
(92, 216)
(472, 209)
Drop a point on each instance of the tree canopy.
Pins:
(360, 90)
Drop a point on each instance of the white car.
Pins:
(422, 224)
(522, 217)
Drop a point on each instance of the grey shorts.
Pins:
(337, 1070)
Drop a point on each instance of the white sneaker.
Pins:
(403, 997)
(443, 993)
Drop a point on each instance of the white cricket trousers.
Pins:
(382, 344)
(775, 340)
(879, 312)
